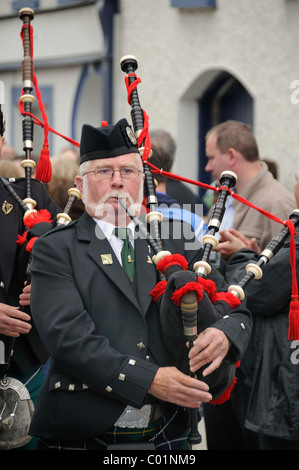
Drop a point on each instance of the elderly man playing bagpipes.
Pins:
(115, 381)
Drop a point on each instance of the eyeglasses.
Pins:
(107, 173)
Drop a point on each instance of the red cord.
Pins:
(143, 139)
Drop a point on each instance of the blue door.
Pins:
(225, 98)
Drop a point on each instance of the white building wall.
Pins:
(255, 40)
(63, 41)
(178, 52)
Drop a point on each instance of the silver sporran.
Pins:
(16, 410)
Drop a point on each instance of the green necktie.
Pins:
(127, 252)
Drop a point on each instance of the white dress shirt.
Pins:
(115, 242)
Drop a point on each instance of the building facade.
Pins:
(200, 62)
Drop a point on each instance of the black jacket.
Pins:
(103, 334)
(274, 403)
(28, 350)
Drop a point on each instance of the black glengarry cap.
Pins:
(107, 141)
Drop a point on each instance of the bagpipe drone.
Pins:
(16, 406)
(189, 302)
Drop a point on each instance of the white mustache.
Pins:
(117, 194)
(103, 206)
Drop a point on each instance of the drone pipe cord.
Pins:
(43, 172)
(128, 65)
(140, 121)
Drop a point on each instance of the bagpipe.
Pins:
(36, 222)
(40, 219)
(16, 407)
(189, 301)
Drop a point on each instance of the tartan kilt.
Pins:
(164, 434)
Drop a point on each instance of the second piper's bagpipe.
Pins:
(36, 221)
(15, 403)
(189, 303)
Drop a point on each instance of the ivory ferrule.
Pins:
(237, 291)
(156, 258)
(267, 253)
(29, 212)
(210, 239)
(28, 161)
(27, 97)
(154, 215)
(31, 203)
(63, 218)
(74, 192)
(27, 145)
(255, 269)
(202, 267)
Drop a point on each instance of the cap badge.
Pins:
(131, 135)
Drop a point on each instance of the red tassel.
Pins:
(229, 298)
(44, 168)
(31, 220)
(30, 244)
(158, 290)
(293, 333)
(22, 239)
(172, 260)
(190, 286)
(227, 393)
(210, 287)
(37, 217)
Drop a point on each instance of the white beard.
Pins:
(105, 211)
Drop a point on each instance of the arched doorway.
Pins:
(224, 98)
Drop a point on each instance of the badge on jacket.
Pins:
(7, 207)
(107, 259)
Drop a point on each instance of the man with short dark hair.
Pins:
(231, 146)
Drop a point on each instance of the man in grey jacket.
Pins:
(232, 146)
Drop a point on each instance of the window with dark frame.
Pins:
(193, 3)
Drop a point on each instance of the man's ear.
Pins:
(79, 183)
(233, 155)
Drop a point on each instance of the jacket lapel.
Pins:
(145, 274)
(8, 235)
(102, 254)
